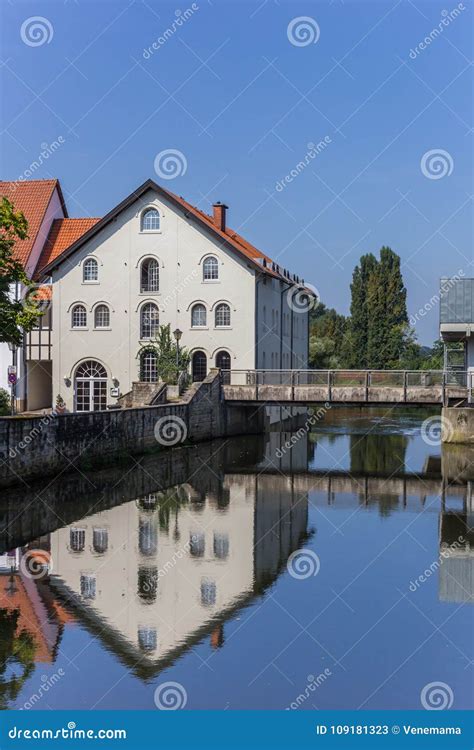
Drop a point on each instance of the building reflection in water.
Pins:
(456, 565)
(161, 572)
(158, 573)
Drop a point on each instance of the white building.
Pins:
(155, 259)
(42, 202)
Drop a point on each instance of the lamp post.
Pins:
(12, 375)
(177, 334)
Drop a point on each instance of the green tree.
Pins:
(5, 402)
(166, 352)
(16, 316)
(379, 332)
(328, 335)
(360, 315)
(17, 649)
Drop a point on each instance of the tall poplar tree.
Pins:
(359, 328)
(379, 318)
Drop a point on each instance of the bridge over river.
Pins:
(378, 387)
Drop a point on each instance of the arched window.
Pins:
(149, 321)
(150, 221)
(90, 270)
(147, 638)
(198, 316)
(101, 316)
(150, 276)
(88, 586)
(199, 366)
(208, 592)
(77, 539)
(210, 269)
(90, 386)
(223, 363)
(148, 367)
(147, 583)
(100, 540)
(222, 317)
(221, 545)
(79, 316)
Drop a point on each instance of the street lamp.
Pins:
(177, 334)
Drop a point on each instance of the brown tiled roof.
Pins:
(32, 197)
(231, 238)
(63, 233)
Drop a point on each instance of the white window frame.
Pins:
(88, 263)
(198, 325)
(96, 310)
(142, 219)
(212, 279)
(74, 308)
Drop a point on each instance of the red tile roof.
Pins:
(32, 197)
(66, 233)
(63, 233)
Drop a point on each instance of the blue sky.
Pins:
(232, 92)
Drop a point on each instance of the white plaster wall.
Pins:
(273, 305)
(180, 247)
(177, 611)
(5, 362)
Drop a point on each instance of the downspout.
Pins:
(281, 324)
(259, 278)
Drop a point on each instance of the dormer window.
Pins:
(90, 271)
(150, 220)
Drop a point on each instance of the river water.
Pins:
(323, 569)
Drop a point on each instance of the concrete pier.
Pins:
(457, 425)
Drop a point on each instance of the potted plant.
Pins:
(60, 407)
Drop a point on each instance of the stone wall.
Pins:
(32, 448)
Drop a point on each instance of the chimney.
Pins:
(219, 215)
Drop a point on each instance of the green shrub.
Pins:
(5, 403)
